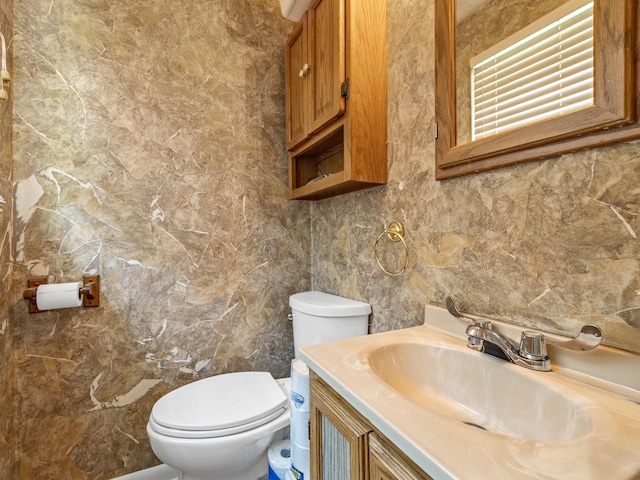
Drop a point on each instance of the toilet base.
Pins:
(256, 472)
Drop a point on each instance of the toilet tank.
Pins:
(319, 317)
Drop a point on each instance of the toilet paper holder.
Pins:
(90, 291)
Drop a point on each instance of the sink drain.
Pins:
(471, 424)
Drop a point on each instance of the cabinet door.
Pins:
(296, 84)
(387, 464)
(326, 62)
(338, 436)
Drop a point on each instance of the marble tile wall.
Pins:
(550, 244)
(149, 148)
(7, 373)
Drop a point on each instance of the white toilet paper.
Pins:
(299, 426)
(300, 385)
(300, 461)
(279, 455)
(58, 295)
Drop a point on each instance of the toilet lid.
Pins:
(220, 402)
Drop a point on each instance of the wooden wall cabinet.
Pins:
(345, 445)
(336, 101)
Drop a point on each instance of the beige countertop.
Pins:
(603, 385)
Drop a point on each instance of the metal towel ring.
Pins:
(395, 233)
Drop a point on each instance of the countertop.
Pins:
(604, 382)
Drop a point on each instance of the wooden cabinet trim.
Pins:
(387, 462)
(325, 402)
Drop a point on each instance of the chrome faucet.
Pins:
(531, 352)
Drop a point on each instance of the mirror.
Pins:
(471, 31)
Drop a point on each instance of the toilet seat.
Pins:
(218, 406)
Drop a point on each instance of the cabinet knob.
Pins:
(304, 71)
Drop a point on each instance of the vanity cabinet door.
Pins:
(339, 436)
(385, 463)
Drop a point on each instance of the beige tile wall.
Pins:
(148, 146)
(550, 244)
(7, 372)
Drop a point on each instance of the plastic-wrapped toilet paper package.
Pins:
(279, 455)
(299, 413)
(300, 385)
(299, 428)
(300, 461)
(289, 476)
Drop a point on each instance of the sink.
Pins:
(481, 392)
(461, 414)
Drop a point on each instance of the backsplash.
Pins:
(551, 244)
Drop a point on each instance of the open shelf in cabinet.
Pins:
(318, 164)
(321, 167)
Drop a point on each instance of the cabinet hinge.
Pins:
(435, 130)
(344, 88)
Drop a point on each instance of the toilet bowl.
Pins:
(220, 428)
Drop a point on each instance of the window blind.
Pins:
(541, 72)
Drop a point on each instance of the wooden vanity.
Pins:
(344, 445)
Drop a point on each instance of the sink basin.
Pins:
(480, 392)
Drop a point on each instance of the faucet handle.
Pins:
(590, 337)
(533, 346)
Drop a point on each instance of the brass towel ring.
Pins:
(395, 233)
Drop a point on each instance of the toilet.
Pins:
(220, 428)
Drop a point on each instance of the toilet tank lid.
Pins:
(322, 304)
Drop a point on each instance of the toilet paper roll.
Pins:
(299, 426)
(289, 476)
(58, 295)
(300, 461)
(279, 455)
(300, 385)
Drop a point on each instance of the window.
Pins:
(543, 71)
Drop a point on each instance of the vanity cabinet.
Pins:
(339, 435)
(336, 104)
(385, 463)
(345, 445)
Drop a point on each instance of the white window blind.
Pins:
(543, 71)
